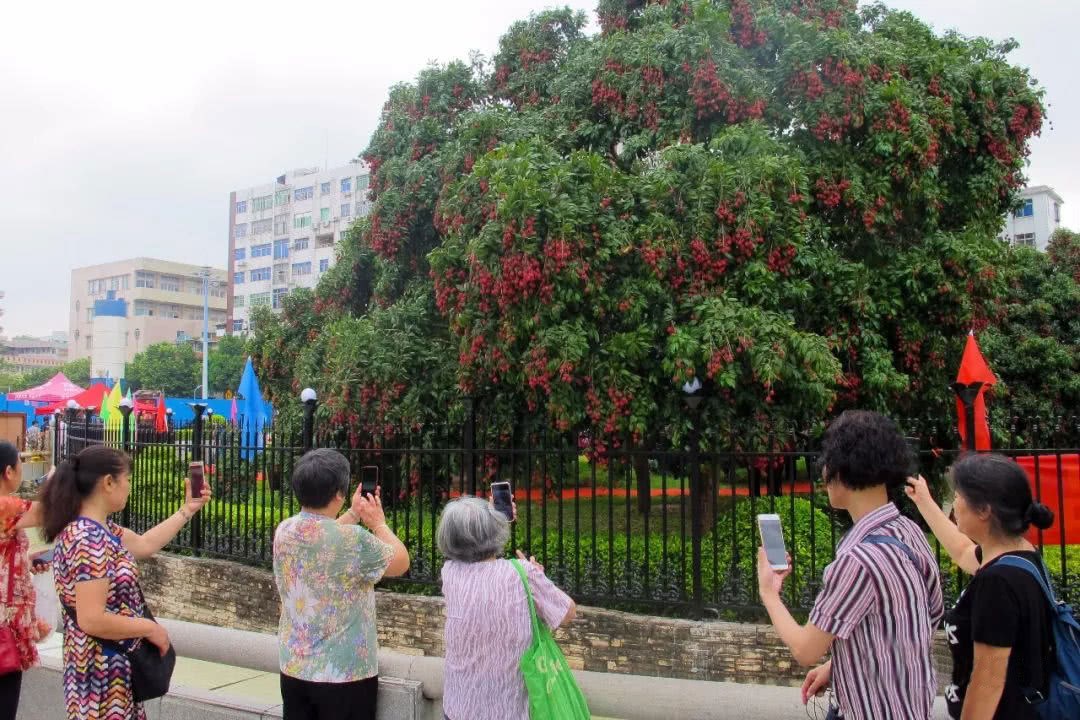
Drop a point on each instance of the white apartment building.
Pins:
(282, 235)
(118, 309)
(1036, 220)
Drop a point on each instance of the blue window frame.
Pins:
(1027, 209)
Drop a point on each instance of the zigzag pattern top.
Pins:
(97, 681)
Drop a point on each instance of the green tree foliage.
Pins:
(77, 371)
(792, 202)
(1034, 344)
(168, 367)
(226, 364)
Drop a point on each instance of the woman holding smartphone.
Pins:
(999, 631)
(98, 580)
(16, 590)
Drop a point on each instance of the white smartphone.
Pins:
(772, 538)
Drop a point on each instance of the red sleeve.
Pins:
(11, 511)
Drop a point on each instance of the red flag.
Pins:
(161, 423)
(973, 369)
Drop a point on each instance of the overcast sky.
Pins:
(124, 125)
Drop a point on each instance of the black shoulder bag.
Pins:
(151, 671)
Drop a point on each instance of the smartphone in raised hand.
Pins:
(369, 479)
(772, 539)
(502, 496)
(196, 476)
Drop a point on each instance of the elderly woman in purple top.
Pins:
(487, 614)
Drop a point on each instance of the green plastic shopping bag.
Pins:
(553, 692)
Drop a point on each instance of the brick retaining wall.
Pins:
(227, 594)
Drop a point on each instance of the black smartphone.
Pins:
(195, 474)
(503, 498)
(43, 559)
(369, 479)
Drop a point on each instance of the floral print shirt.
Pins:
(326, 574)
(19, 614)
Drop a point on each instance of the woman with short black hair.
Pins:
(999, 631)
(325, 569)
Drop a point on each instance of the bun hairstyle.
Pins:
(996, 482)
(75, 479)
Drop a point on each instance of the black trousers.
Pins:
(10, 686)
(306, 700)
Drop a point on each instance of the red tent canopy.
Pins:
(57, 389)
(92, 397)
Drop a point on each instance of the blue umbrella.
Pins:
(251, 408)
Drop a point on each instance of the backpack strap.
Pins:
(1029, 567)
(890, 540)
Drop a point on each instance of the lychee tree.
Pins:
(793, 202)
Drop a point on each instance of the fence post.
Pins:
(197, 454)
(86, 429)
(470, 445)
(693, 403)
(125, 446)
(56, 438)
(69, 426)
(310, 400)
(967, 395)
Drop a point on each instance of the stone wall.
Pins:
(231, 595)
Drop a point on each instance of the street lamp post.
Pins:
(693, 396)
(310, 400)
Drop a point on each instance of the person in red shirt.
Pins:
(16, 590)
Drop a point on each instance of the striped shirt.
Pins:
(487, 631)
(883, 610)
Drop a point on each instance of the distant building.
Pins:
(29, 353)
(118, 309)
(282, 234)
(1038, 216)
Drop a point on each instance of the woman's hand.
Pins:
(770, 582)
(42, 630)
(369, 508)
(531, 560)
(918, 491)
(195, 504)
(816, 681)
(159, 637)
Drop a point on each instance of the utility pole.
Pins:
(205, 328)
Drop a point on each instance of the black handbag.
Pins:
(151, 672)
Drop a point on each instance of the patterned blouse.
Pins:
(20, 614)
(326, 574)
(97, 681)
(488, 628)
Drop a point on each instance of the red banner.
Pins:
(1065, 508)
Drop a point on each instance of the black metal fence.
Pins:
(667, 530)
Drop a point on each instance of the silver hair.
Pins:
(471, 530)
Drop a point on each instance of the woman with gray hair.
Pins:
(488, 625)
(325, 568)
